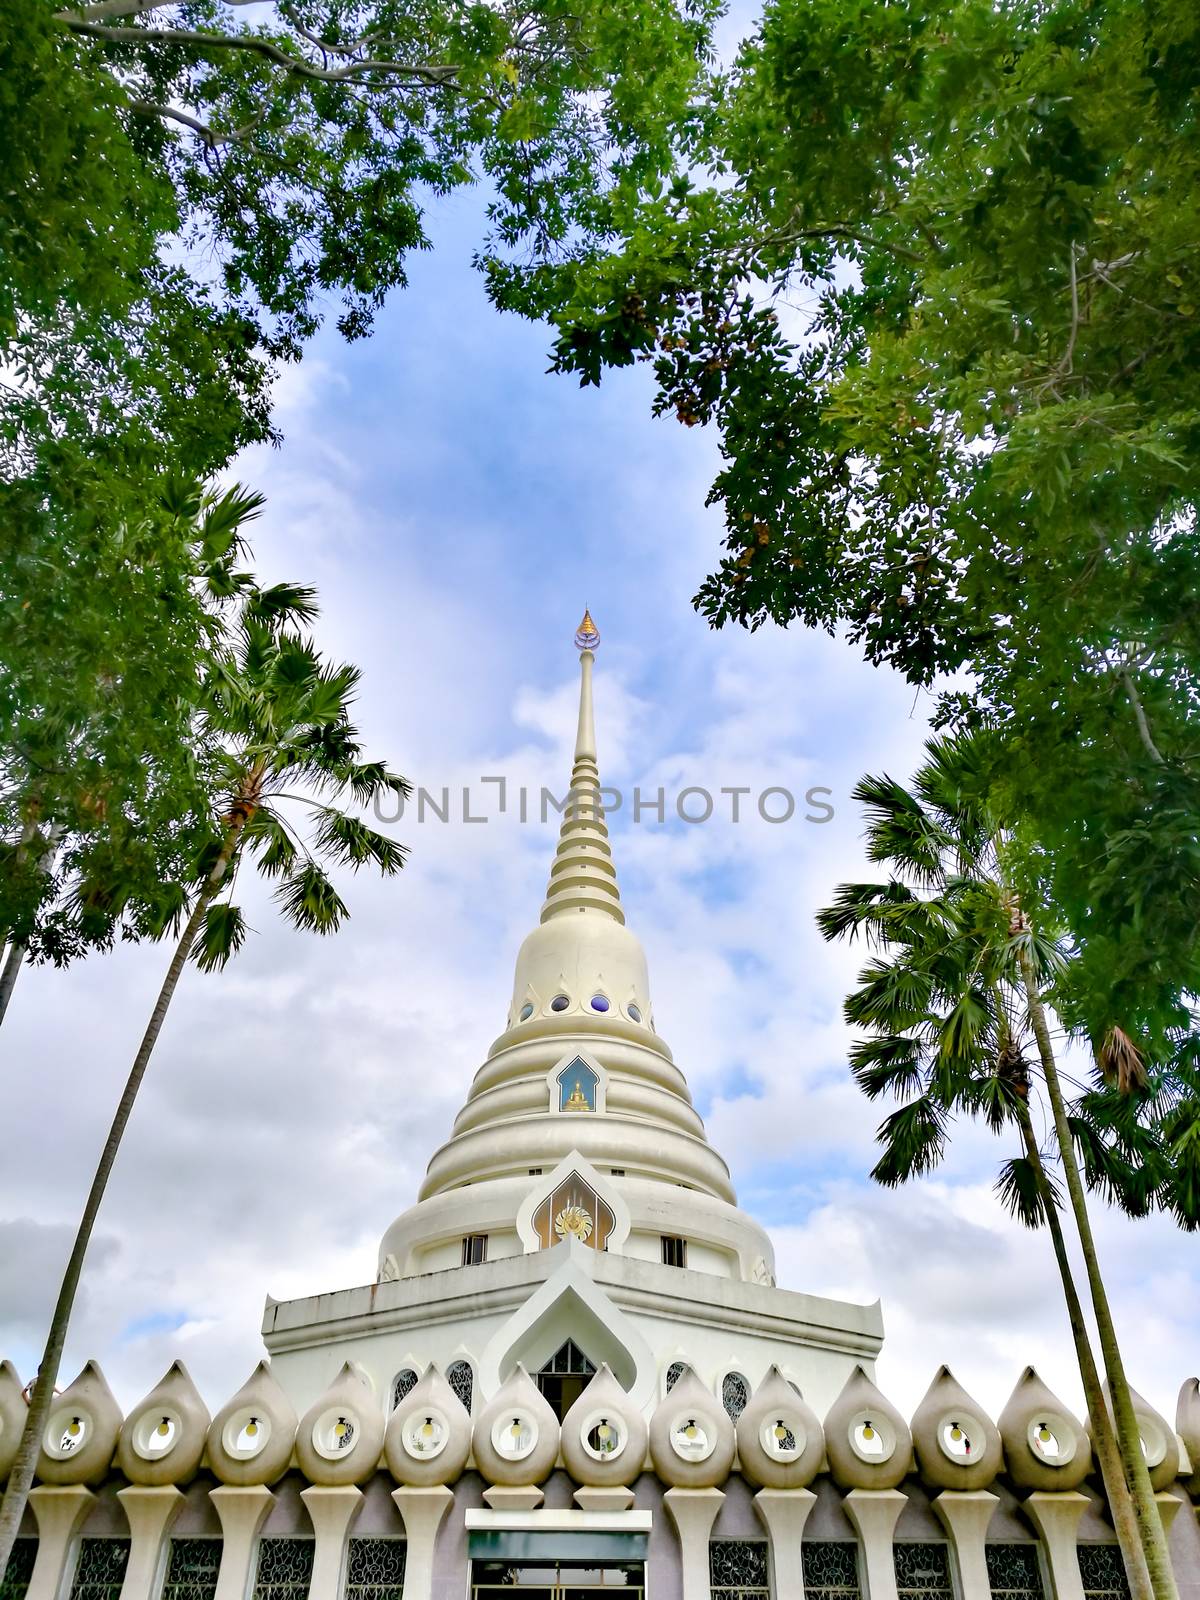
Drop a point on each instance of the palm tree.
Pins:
(277, 719)
(949, 1005)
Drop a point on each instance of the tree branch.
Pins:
(1142, 725)
(431, 77)
(213, 140)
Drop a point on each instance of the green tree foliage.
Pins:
(953, 1025)
(932, 273)
(286, 774)
(110, 614)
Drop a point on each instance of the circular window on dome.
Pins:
(690, 1438)
(603, 1436)
(514, 1436)
(246, 1433)
(599, 1003)
(634, 1012)
(871, 1437)
(526, 1011)
(1052, 1440)
(335, 1433)
(155, 1434)
(424, 1434)
(65, 1434)
(560, 1002)
(782, 1440)
(957, 1437)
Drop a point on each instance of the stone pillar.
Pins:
(693, 1511)
(874, 1513)
(242, 1513)
(423, 1511)
(784, 1513)
(1056, 1518)
(965, 1515)
(60, 1514)
(150, 1513)
(332, 1511)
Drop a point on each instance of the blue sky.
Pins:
(457, 507)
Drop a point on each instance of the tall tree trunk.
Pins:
(25, 1465)
(1120, 1502)
(8, 978)
(1154, 1540)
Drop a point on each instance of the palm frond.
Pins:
(1019, 1191)
(309, 900)
(351, 842)
(914, 1141)
(222, 934)
(890, 1064)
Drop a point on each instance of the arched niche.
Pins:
(578, 1085)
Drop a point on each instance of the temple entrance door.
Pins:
(564, 1378)
(561, 1580)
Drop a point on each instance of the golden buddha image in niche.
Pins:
(573, 1211)
(577, 1086)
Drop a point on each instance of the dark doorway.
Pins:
(565, 1377)
(557, 1580)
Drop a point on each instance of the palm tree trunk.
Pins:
(8, 978)
(21, 1476)
(1153, 1538)
(1120, 1502)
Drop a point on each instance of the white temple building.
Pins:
(575, 1372)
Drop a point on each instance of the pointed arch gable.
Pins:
(536, 1218)
(570, 1305)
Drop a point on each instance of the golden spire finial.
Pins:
(587, 636)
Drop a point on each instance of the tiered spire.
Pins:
(583, 877)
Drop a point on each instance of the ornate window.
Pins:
(462, 1380)
(1103, 1572)
(20, 1569)
(192, 1569)
(674, 1372)
(100, 1570)
(922, 1571)
(577, 1086)
(737, 1569)
(1014, 1572)
(564, 1378)
(830, 1569)
(284, 1569)
(403, 1385)
(735, 1394)
(574, 1210)
(375, 1569)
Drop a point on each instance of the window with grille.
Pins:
(462, 1380)
(474, 1249)
(100, 1570)
(735, 1394)
(674, 1372)
(284, 1569)
(737, 1569)
(922, 1571)
(375, 1569)
(1014, 1572)
(403, 1385)
(830, 1569)
(192, 1568)
(20, 1569)
(1103, 1572)
(674, 1250)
